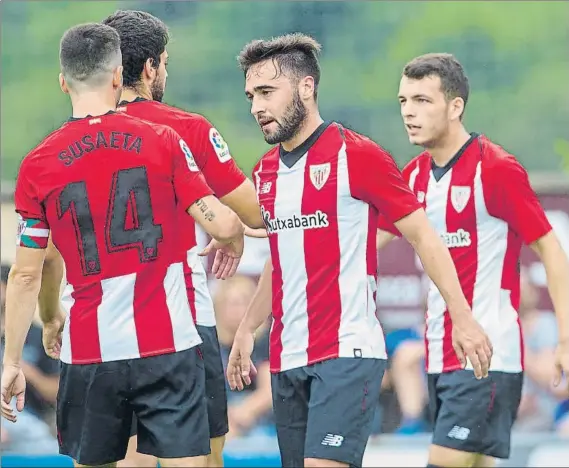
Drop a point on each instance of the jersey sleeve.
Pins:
(376, 179)
(213, 157)
(33, 227)
(189, 182)
(512, 199)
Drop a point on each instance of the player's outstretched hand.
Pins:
(561, 362)
(240, 368)
(227, 257)
(471, 342)
(13, 385)
(52, 336)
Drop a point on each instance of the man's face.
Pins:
(425, 110)
(275, 102)
(158, 84)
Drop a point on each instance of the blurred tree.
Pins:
(513, 52)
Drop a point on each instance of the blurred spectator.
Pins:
(253, 406)
(32, 433)
(406, 351)
(539, 398)
(562, 414)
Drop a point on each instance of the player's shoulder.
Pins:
(143, 126)
(174, 116)
(420, 162)
(496, 159)
(359, 144)
(268, 156)
(50, 144)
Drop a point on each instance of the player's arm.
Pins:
(216, 219)
(549, 250)
(380, 183)
(382, 238)
(260, 307)
(222, 174)
(436, 261)
(52, 277)
(193, 193)
(513, 200)
(24, 280)
(375, 178)
(243, 200)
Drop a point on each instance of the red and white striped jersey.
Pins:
(483, 207)
(212, 156)
(320, 213)
(109, 189)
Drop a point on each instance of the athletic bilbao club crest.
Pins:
(459, 196)
(319, 174)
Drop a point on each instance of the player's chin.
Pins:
(417, 140)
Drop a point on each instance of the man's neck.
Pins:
(443, 152)
(92, 104)
(312, 122)
(131, 94)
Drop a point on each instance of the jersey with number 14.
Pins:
(213, 158)
(108, 189)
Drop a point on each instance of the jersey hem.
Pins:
(276, 370)
(160, 352)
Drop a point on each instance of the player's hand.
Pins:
(51, 336)
(13, 385)
(561, 361)
(471, 342)
(240, 368)
(260, 233)
(227, 257)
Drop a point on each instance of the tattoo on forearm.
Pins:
(208, 214)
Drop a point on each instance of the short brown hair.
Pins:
(88, 52)
(296, 54)
(454, 82)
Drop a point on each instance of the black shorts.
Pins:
(474, 416)
(215, 388)
(96, 403)
(326, 410)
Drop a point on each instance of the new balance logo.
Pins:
(332, 440)
(459, 433)
(460, 238)
(311, 221)
(265, 187)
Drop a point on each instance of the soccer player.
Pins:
(144, 39)
(478, 198)
(321, 189)
(108, 186)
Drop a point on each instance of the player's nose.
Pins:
(407, 110)
(256, 108)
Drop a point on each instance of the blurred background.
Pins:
(516, 56)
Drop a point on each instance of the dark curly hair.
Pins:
(143, 37)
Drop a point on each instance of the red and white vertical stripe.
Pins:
(323, 288)
(485, 267)
(127, 317)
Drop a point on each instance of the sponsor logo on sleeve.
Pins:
(192, 166)
(219, 145)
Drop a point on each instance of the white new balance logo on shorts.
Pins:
(459, 433)
(333, 440)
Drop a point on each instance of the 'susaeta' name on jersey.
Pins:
(317, 220)
(460, 238)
